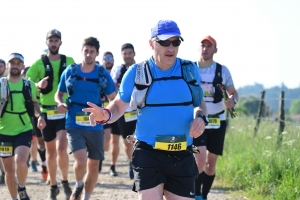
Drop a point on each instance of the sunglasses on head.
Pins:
(166, 43)
(108, 58)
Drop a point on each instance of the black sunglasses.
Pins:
(166, 43)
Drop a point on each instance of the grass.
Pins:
(255, 165)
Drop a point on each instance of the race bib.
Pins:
(53, 114)
(82, 119)
(6, 149)
(130, 116)
(214, 122)
(170, 143)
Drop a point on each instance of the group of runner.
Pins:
(160, 101)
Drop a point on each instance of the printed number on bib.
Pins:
(53, 114)
(82, 119)
(170, 143)
(6, 149)
(214, 122)
(130, 116)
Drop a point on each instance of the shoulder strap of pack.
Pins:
(70, 80)
(5, 93)
(28, 97)
(218, 70)
(102, 77)
(63, 64)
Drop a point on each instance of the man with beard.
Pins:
(211, 142)
(84, 82)
(46, 72)
(15, 138)
(127, 122)
(2, 68)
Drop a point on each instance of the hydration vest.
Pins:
(122, 72)
(144, 79)
(217, 80)
(6, 94)
(74, 77)
(49, 72)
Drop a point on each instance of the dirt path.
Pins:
(107, 188)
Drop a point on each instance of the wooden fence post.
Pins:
(281, 119)
(260, 108)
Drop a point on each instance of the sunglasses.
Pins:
(166, 43)
(108, 58)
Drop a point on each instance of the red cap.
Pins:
(210, 39)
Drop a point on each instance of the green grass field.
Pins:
(255, 165)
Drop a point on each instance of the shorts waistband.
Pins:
(144, 145)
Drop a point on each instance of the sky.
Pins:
(258, 40)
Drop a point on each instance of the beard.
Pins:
(53, 52)
(15, 73)
(109, 66)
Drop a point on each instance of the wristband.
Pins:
(103, 122)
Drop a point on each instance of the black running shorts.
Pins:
(176, 170)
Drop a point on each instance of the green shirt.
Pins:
(37, 72)
(11, 124)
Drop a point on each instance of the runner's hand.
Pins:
(197, 127)
(229, 103)
(62, 108)
(42, 84)
(41, 124)
(97, 113)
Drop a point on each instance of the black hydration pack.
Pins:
(49, 71)
(123, 70)
(26, 91)
(217, 80)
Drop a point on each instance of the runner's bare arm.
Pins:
(41, 124)
(198, 125)
(117, 107)
(58, 98)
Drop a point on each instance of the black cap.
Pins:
(53, 32)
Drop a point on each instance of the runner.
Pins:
(33, 148)
(45, 72)
(127, 122)
(18, 105)
(109, 129)
(163, 159)
(213, 76)
(84, 82)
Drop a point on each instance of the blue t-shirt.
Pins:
(84, 91)
(162, 120)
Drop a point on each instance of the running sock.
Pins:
(42, 153)
(15, 198)
(198, 183)
(54, 186)
(20, 186)
(207, 183)
(66, 181)
(79, 184)
(86, 196)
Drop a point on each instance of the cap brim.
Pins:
(165, 37)
(54, 35)
(16, 57)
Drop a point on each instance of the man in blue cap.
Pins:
(166, 92)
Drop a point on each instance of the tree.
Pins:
(295, 107)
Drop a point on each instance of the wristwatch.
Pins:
(41, 115)
(204, 117)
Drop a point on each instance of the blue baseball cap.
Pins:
(165, 29)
